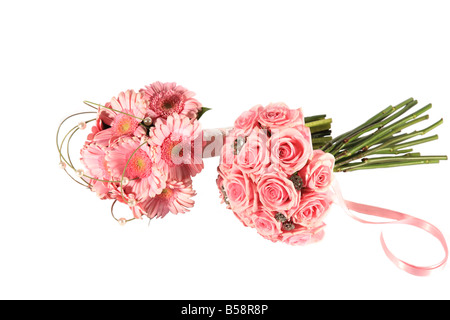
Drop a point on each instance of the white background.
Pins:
(348, 59)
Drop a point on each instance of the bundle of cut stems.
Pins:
(381, 141)
(320, 128)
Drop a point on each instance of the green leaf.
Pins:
(204, 109)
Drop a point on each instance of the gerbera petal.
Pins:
(103, 137)
(93, 159)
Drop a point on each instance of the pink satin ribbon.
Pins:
(398, 218)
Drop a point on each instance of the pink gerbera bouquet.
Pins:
(141, 150)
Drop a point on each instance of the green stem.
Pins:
(321, 128)
(314, 118)
(383, 165)
(405, 158)
(388, 143)
(321, 134)
(392, 151)
(321, 140)
(391, 129)
(322, 122)
(401, 108)
(416, 142)
(373, 120)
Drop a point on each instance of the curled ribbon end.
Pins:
(397, 218)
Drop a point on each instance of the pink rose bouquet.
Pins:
(277, 166)
(261, 179)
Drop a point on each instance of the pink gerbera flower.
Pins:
(93, 159)
(165, 99)
(175, 198)
(131, 109)
(177, 145)
(146, 174)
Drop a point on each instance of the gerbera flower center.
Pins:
(168, 104)
(172, 151)
(166, 193)
(139, 166)
(124, 125)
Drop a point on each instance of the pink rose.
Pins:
(254, 155)
(290, 148)
(247, 121)
(266, 225)
(276, 192)
(318, 174)
(240, 191)
(278, 115)
(245, 218)
(312, 209)
(289, 213)
(301, 236)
